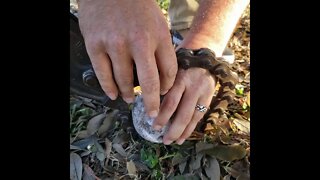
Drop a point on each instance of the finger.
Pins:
(169, 104)
(197, 116)
(167, 64)
(123, 73)
(102, 67)
(149, 81)
(183, 117)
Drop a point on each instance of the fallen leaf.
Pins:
(107, 122)
(195, 163)
(108, 144)
(119, 149)
(72, 147)
(182, 167)
(84, 143)
(243, 177)
(82, 134)
(225, 139)
(202, 176)
(227, 177)
(141, 167)
(248, 98)
(94, 123)
(85, 153)
(75, 167)
(178, 158)
(88, 173)
(213, 168)
(185, 177)
(243, 125)
(131, 169)
(100, 153)
(201, 146)
(239, 169)
(121, 138)
(227, 153)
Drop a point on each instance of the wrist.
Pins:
(202, 41)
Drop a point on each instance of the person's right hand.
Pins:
(118, 33)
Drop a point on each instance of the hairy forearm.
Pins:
(214, 23)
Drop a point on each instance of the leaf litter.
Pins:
(104, 144)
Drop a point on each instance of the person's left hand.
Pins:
(191, 87)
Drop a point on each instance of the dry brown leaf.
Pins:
(131, 169)
(209, 127)
(108, 144)
(248, 98)
(239, 169)
(242, 125)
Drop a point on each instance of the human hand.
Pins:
(191, 87)
(120, 33)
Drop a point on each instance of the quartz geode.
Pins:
(143, 123)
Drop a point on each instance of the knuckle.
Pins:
(164, 35)
(92, 45)
(171, 103)
(150, 85)
(126, 81)
(141, 39)
(117, 43)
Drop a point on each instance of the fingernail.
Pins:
(128, 100)
(157, 127)
(163, 92)
(112, 96)
(180, 141)
(153, 114)
(167, 142)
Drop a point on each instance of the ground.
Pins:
(104, 144)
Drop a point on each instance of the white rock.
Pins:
(143, 123)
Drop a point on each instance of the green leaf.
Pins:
(149, 157)
(239, 89)
(156, 174)
(244, 106)
(179, 158)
